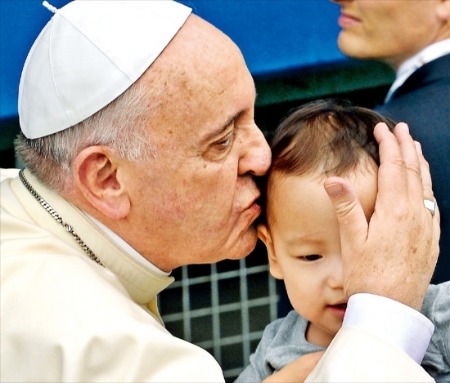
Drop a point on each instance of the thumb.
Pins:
(353, 226)
(349, 211)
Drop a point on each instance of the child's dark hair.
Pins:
(326, 134)
(329, 137)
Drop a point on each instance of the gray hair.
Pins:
(122, 125)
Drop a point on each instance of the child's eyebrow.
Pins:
(299, 239)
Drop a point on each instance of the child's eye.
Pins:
(310, 257)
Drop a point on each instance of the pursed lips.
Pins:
(254, 201)
(252, 190)
(254, 206)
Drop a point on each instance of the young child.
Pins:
(300, 230)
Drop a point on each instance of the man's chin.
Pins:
(247, 244)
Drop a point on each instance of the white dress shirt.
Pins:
(407, 68)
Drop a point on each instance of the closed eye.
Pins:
(219, 149)
(226, 142)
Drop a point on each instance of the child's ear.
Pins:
(264, 235)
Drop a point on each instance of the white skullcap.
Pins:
(87, 55)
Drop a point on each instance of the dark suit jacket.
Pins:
(423, 102)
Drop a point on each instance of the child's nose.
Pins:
(335, 279)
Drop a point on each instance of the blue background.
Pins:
(274, 35)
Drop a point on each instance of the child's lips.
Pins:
(338, 309)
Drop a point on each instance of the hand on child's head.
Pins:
(400, 243)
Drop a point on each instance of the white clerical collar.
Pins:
(126, 247)
(407, 68)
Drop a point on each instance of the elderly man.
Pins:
(413, 37)
(141, 151)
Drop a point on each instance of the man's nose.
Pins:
(256, 155)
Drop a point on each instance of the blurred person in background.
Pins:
(413, 38)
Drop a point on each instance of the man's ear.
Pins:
(443, 11)
(97, 175)
(265, 236)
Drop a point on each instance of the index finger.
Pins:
(400, 169)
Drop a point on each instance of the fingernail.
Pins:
(334, 190)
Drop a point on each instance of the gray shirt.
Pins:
(437, 308)
(284, 341)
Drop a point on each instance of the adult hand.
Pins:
(296, 371)
(393, 255)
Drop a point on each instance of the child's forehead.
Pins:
(321, 170)
(300, 211)
(294, 192)
(281, 184)
(286, 193)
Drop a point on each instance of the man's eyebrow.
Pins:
(223, 127)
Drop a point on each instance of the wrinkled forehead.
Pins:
(199, 54)
(201, 74)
